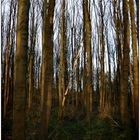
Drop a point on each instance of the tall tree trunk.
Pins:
(132, 91)
(7, 62)
(47, 66)
(137, 5)
(31, 60)
(119, 54)
(109, 67)
(2, 61)
(135, 60)
(125, 66)
(6, 81)
(87, 44)
(102, 79)
(78, 85)
(20, 77)
(84, 67)
(62, 62)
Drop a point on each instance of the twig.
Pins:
(113, 121)
(74, 65)
(57, 126)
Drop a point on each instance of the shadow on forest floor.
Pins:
(76, 128)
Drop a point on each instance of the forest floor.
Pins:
(76, 128)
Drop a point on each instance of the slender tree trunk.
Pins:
(102, 79)
(6, 81)
(7, 62)
(62, 62)
(84, 67)
(109, 67)
(47, 66)
(137, 5)
(87, 44)
(125, 66)
(40, 87)
(135, 61)
(78, 86)
(119, 46)
(31, 61)
(132, 91)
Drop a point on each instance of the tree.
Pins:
(109, 67)
(7, 62)
(32, 56)
(69, 61)
(62, 62)
(87, 45)
(20, 77)
(118, 28)
(47, 66)
(135, 60)
(137, 5)
(125, 66)
(102, 48)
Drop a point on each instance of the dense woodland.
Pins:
(70, 69)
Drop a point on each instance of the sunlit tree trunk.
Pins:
(62, 62)
(20, 76)
(87, 44)
(132, 91)
(137, 11)
(47, 66)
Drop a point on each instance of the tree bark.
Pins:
(47, 66)
(20, 77)
(62, 62)
(135, 60)
(87, 44)
(7, 62)
(125, 66)
(102, 79)
(31, 60)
